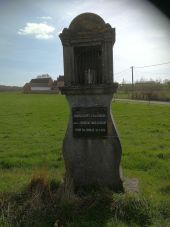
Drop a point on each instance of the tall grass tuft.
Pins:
(132, 209)
(34, 206)
(46, 203)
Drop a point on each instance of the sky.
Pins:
(30, 45)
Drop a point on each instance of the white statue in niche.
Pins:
(90, 76)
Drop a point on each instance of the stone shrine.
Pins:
(91, 147)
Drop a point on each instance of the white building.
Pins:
(41, 84)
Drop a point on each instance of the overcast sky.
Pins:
(30, 46)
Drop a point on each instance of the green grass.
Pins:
(122, 95)
(32, 128)
(145, 134)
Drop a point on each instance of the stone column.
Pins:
(93, 161)
(68, 65)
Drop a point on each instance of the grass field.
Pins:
(31, 131)
(32, 128)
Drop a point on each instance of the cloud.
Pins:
(45, 18)
(38, 30)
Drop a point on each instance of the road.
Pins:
(141, 101)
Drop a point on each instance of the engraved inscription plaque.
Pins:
(89, 121)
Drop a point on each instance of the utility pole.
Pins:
(132, 82)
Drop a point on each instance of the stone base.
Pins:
(93, 161)
(131, 185)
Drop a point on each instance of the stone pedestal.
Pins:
(92, 160)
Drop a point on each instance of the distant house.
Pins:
(55, 87)
(41, 84)
(44, 83)
(27, 88)
(59, 83)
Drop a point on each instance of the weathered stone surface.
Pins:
(88, 29)
(92, 152)
(90, 90)
(93, 161)
(87, 22)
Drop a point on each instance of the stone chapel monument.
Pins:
(91, 147)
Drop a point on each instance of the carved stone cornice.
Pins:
(87, 28)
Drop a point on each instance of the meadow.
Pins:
(145, 90)
(32, 128)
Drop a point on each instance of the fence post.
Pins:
(132, 82)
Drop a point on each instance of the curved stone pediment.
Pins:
(87, 22)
